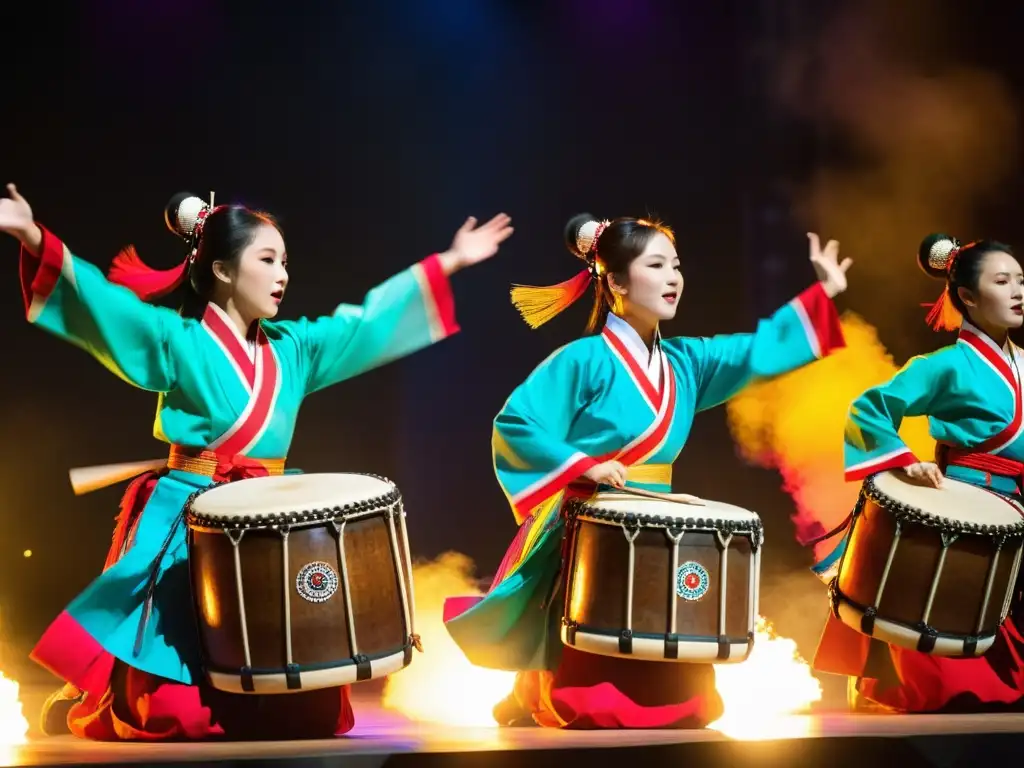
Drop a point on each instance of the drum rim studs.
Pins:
(904, 513)
(583, 511)
(381, 503)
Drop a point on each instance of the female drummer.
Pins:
(971, 393)
(230, 381)
(609, 410)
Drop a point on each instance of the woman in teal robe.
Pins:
(230, 379)
(611, 409)
(970, 392)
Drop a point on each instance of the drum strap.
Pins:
(946, 455)
(222, 469)
(154, 573)
(834, 532)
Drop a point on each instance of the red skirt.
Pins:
(590, 692)
(138, 706)
(908, 681)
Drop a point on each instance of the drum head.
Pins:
(269, 497)
(624, 503)
(957, 503)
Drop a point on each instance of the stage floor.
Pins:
(383, 737)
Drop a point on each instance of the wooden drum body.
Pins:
(929, 569)
(661, 581)
(301, 582)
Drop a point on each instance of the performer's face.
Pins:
(655, 283)
(999, 300)
(259, 281)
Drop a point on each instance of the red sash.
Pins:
(947, 455)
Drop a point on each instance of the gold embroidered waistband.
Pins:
(209, 464)
(650, 474)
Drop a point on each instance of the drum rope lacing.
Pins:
(390, 504)
(675, 528)
(949, 532)
(282, 522)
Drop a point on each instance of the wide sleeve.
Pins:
(73, 300)
(408, 312)
(533, 458)
(871, 440)
(804, 330)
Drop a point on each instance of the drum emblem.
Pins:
(692, 580)
(316, 582)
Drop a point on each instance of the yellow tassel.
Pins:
(538, 304)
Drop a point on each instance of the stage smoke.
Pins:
(794, 424)
(441, 686)
(912, 141)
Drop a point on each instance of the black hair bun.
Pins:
(934, 254)
(579, 233)
(182, 213)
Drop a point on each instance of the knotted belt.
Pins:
(948, 455)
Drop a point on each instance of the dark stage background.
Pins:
(373, 129)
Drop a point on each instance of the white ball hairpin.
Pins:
(184, 218)
(941, 252)
(587, 234)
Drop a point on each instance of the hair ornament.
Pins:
(943, 253)
(185, 215)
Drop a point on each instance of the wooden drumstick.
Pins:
(88, 479)
(681, 498)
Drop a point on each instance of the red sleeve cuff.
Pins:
(821, 320)
(39, 275)
(441, 299)
(525, 505)
(898, 461)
